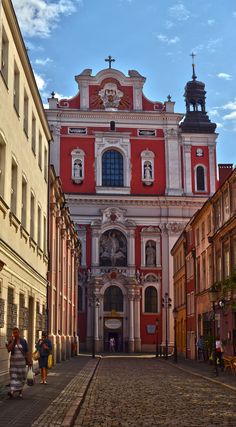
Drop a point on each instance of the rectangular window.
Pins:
(197, 237)
(218, 266)
(13, 186)
(44, 235)
(192, 303)
(204, 271)
(24, 202)
(32, 214)
(39, 227)
(40, 151)
(45, 164)
(209, 224)
(2, 167)
(5, 55)
(198, 274)
(26, 113)
(209, 270)
(16, 93)
(33, 135)
(226, 261)
(226, 205)
(203, 230)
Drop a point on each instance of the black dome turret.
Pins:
(196, 118)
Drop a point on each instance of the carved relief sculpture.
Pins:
(113, 249)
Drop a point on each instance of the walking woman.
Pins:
(44, 347)
(18, 348)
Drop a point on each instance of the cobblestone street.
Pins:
(148, 392)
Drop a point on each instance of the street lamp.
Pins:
(157, 322)
(95, 305)
(213, 298)
(175, 314)
(166, 303)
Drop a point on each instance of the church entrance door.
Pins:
(113, 332)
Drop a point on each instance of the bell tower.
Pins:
(196, 118)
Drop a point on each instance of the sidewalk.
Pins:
(36, 399)
(206, 370)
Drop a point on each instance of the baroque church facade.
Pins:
(134, 172)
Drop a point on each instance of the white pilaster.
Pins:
(187, 169)
(173, 163)
(95, 248)
(131, 248)
(131, 323)
(212, 169)
(137, 339)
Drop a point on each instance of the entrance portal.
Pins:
(113, 328)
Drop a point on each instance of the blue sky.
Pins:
(154, 37)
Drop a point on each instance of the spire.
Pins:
(194, 77)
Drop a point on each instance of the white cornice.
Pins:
(182, 201)
(70, 115)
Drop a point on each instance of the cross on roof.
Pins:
(110, 60)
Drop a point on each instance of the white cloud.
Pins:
(234, 14)
(211, 22)
(213, 113)
(231, 105)
(179, 12)
(43, 61)
(168, 24)
(37, 18)
(213, 45)
(230, 116)
(40, 81)
(164, 39)
(224, 76)
(219, 125)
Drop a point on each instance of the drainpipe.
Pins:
(48, 238)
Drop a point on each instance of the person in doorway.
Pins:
(112, 344)
(18, 347)
(44, 346)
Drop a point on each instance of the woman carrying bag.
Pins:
(44, 346)
(18, 348)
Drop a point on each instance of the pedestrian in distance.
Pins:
(201, 348)
(18, 347)
(112, 344)
(44, 346)
(219, 353)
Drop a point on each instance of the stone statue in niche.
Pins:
(150, 254)
(147, 170)
(78, 169)
(113, 249)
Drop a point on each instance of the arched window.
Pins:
(150, 300)
(78, 169)
(200, 178)
(112, 169)
(113, 299)
(80, 299)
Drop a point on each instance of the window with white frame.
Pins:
(150, 300)
(77, 166)
(2, 165)
(147, 164)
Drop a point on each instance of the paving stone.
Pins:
(149, 392)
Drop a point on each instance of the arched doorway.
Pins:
(113, 320)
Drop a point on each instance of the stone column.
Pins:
(187, 169)
(131, 322)
(137, 339)
(95, 248)
(131, 248)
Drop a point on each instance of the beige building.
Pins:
(24, 148)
